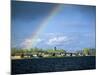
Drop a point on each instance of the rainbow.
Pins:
(42, 25)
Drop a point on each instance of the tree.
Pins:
(86, 51)
(55, 48)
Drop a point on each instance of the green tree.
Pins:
(86, 51)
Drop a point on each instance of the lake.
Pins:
(39, 65)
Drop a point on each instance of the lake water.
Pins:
(39, 65)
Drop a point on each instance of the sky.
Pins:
(46, 25)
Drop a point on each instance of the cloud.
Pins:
(59, 40)
(27, 43)
(39, 40)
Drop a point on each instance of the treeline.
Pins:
(34, 51)
(88, 51)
